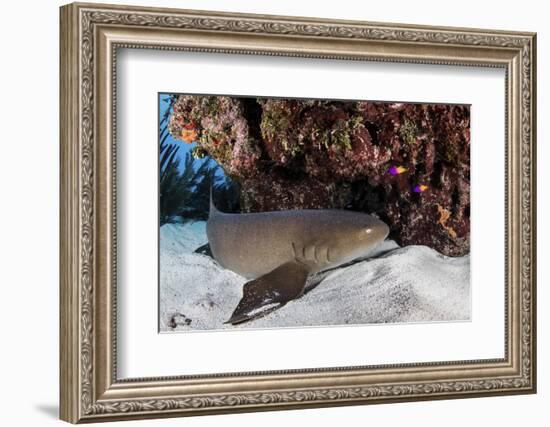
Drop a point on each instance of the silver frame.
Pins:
(90, 37)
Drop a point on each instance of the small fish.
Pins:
(420, 188)
(397, 170)
(189, 135)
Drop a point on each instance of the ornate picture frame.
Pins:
(90, 37)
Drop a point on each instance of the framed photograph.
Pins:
(267, 212)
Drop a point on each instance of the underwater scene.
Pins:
(287, 212)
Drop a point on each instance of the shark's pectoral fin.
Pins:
(270, 291)
(204, 250)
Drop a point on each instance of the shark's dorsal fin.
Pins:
(213, 209)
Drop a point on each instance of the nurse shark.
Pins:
(278, 250)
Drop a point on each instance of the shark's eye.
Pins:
(368, 230)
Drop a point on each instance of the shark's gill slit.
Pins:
(309, 252)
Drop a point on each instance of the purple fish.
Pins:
(397, 170)
(420, 188)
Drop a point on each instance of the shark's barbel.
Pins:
(278, 250)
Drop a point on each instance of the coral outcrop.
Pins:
(408, 163)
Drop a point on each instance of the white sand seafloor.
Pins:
(392, 285)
